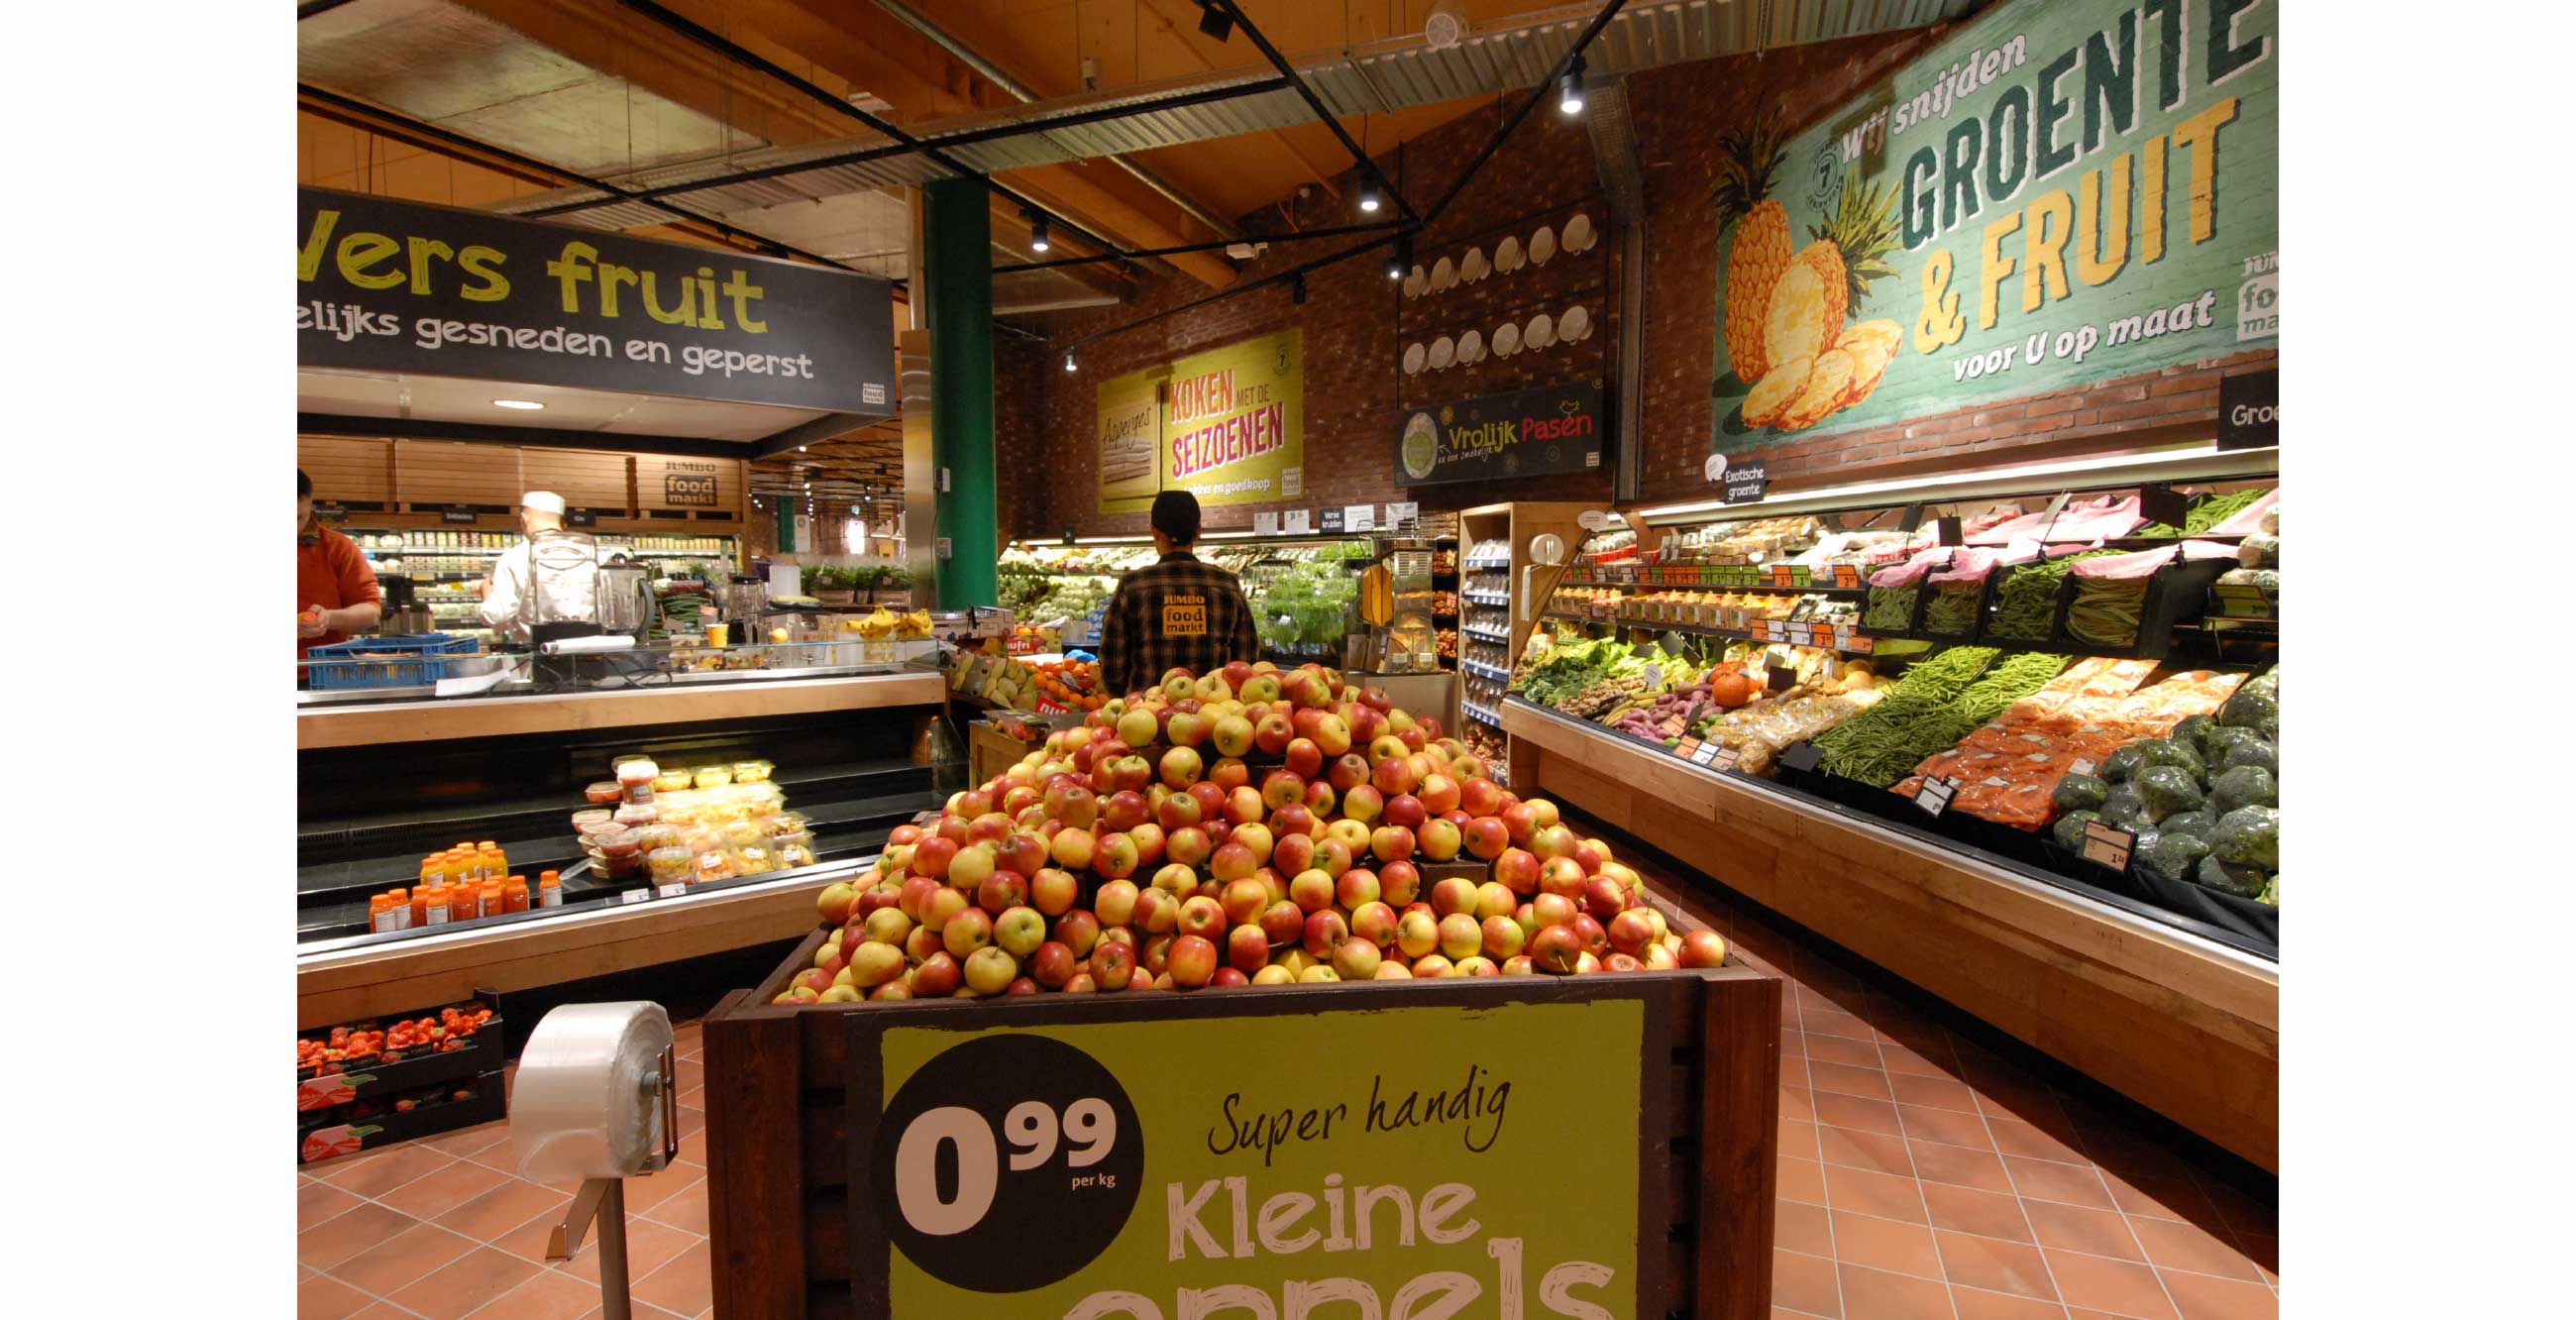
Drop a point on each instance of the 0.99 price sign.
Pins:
(1007, 1163)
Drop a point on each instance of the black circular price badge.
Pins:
(1007, 1163)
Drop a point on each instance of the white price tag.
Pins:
(2082, 766)
(635, 896)
(672, 890)
(1266, 524)
(1934, 797)
(1298, 522)
(1359, 517)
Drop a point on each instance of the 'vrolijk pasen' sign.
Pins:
(1553, 429)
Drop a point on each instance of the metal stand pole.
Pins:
(602, 1200)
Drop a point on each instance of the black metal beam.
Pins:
(316, 8)
(1368, 168)
(1250, 240)
(484, 433)
(999, 132)
(434, 133)
(1538, 94)
(1478, 162)
(716, 42)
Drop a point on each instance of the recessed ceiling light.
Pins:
(522, 405)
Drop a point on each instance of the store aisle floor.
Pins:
(444, 1227)
(1926, 1177)
(1922, 1177)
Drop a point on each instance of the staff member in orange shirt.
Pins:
(334, 584)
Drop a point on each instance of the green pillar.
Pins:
(957, 227)
(785, 511)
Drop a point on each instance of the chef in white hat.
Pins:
(552, 577)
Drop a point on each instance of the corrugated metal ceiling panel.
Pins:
(1370, 79)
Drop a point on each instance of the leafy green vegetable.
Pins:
(2251, 750)
(2217, 509)
(2198, 824)
(2124, 807)
(2216, 739)
(2249, 836)
(2248, 710)
(2167, 789)
(2069, 830)
(2229, 878)
(2172, 858)
(2168, 751)
(2121, 764)
(2079, 793)
(2244, 786)
(2190, 729)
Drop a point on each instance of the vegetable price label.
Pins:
(635, 896)
(1726, 758)
(1782, 576)
(2108, 845)
(1706, 755)
(1802, 756)
(1783, 679)
(1934, 797)
(1846, 576)
(1066, 1168)
(674, 889)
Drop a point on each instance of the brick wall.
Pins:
(1357, 325)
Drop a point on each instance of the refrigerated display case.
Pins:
(1918, 786)
(384, 783)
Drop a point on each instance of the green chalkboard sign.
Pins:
(2058, 194)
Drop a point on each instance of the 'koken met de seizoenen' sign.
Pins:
(1549, 430)
(396, 287)
(1227, 425)
(2058, 194)
(1405, 1162)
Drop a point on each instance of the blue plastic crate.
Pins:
(385, 662)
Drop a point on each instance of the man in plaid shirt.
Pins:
(1176, 611)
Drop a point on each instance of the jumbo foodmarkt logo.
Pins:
(2059, 194)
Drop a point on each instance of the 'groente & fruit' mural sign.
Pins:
(2060, 193)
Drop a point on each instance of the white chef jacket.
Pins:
(568, 581)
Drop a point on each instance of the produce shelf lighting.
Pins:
(523, 405)
(1038, 234)
(1569, 89)
(1068, 359)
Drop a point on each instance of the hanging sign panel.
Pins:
(1228, 427)
(2058, 194)
(1550, 430)
(392, 286)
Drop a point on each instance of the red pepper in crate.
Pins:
(406, 1105)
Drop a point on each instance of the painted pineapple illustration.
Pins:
(1747, 162)
(1785, 311)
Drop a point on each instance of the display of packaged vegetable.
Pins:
(2026, 599)
(1891, 608)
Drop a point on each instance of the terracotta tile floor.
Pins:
(444, 1228)
(1923, 1176)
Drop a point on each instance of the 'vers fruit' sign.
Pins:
(2061, 193)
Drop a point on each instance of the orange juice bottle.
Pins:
(430, 868)
(434, 911)
(549, 890)
(398, 909)
(465, 902)
(493, 890)
(496, 864)
(514, 896)
(376, 907)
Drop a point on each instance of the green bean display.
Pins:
(2026, 602)
(1889, 607)
(1932, 707)
(2106, 611)
(1954, 607)
(2211, 512)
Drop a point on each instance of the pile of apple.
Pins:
(1147, 850)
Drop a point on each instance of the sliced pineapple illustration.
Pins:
(1822, 393)
(1772, 393)
(1872, 345)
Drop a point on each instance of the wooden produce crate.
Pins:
(1607, 1138)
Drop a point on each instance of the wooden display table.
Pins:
(679, 703)
(1166, 1145)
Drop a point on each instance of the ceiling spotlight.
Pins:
(1368, 198)
(1214, 22)
(1569, 89)
(1402, 258)
(522, 405)
(1068, 359)
(1038, 234)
